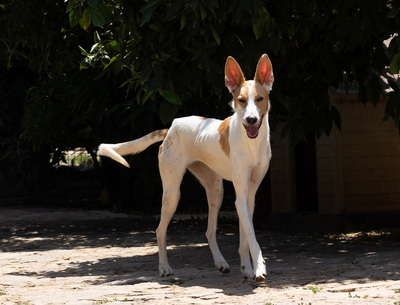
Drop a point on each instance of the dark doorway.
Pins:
(263, 201)
(306, 176)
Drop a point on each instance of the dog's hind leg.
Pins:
(215, 192)
(172, 169)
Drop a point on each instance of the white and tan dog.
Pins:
(236, 149)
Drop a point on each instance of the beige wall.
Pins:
(358, 169)
(370, 157)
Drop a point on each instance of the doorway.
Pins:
(306, 175)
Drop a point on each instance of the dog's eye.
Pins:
(259, 99)
(241, 100)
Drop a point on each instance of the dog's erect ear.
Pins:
(233, 74)
(264, 74)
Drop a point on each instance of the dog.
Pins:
(235, 149)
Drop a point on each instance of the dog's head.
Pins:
(250, 98)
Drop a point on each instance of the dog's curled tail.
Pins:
(116, 151)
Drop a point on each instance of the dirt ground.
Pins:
(77, 256)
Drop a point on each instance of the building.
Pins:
(355, 170)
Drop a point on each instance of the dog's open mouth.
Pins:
(252, 130)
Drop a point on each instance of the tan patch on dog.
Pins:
(223, 130)
(162, 133)
(240, 93)
(260, 91)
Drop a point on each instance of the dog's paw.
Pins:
(247, 272)
(260, 273)
(165, 270)
(223, 267)
(260, 278)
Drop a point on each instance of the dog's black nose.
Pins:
(251, 120)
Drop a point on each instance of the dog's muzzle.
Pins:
(253, 126)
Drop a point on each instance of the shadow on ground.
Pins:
(292, 259)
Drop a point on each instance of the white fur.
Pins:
(194, 143)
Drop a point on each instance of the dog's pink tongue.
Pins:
(252, 131)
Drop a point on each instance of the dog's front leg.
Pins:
(247, 234)
(248, 242)
(245, 263)
(246, 266)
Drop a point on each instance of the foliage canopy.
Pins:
(80, 72)
(175, 51)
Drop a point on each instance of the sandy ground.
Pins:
(72, 256)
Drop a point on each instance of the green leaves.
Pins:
(392, 109)
(161, 45)
(260, 22)
(395, 64)
(148, 10)
(169, 105)
(87, 12)
(142, 63)
(171, 97)
(169, 110)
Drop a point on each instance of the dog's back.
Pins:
(195, 139)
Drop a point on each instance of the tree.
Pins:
(175, 51)
(49, 105)
(82, 72)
